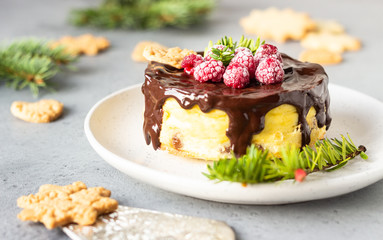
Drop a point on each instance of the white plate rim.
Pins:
(177, 184)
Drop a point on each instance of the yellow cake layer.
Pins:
(193, 133)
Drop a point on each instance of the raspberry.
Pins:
(190, 62)
(264, 51)
(270, 71)
(300, 175)
(242, 49)
(236, 76)
(246, 59)
(208, 57)
(209, 70)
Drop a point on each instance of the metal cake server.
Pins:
(141, 224)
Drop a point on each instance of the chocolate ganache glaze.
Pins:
(304, 86)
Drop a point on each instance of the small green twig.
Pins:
(31, 63)
(258, 166)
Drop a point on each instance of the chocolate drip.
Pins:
(304, 86)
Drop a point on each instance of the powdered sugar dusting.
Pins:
(269, 71)
(210, 70)
(246, 59)
(190, 62)
(236, 76)
(264, 51)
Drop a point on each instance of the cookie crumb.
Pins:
(43, 111)
(60, 205)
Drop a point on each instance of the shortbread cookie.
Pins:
(320, 56)
(60, 205)
(329, 26)
(85, 44)
(43, 111)
(278, 25)
(137, 54)
(331, 42)
(170, 56)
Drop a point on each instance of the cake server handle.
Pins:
(136, 223)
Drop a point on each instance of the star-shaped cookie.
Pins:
(60, 205)
(278, 25)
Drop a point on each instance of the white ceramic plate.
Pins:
(114, 129)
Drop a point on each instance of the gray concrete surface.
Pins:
(59, 153)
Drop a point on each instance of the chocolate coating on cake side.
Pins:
(304, 86)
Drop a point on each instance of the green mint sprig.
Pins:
(225, 55)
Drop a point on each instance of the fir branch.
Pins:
(250, 43)
(258, 166)
(227, 41)
(143, 14)
(30, 63)
(36, 47)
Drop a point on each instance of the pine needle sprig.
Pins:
(258, 166)
(36, 47)
(22, 70)
(143, 14)
(30, 63)
(250, 43)
(227, 41)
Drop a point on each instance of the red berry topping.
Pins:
(210, 70)
(246, 59)
(236, 76)
(190, 62)
(209, 52)
(300, 175)
(264, 51)
(269, 71)
(243, 49)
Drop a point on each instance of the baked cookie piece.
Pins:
(331, 42)
(43, 111)
(137, 54)
(329, 26)
(320, 56)
(169, 56)
(278, 25)
(85, 44)
(60, 205)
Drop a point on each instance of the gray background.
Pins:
(59, 153)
